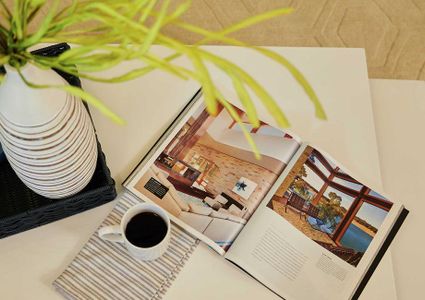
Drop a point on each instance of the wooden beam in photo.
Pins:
(323, 160)
(349, 216)
(375, 201)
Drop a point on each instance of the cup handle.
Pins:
(111, 233)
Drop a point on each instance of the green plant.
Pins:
(330, 210)
(106, 33)
(299, 185)
(302, 172)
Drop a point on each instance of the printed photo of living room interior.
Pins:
(330, 207)
(208, 177)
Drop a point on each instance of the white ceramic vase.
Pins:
(46, 134)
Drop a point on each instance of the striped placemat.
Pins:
(105, 270)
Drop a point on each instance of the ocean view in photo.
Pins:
(340, 214)
(356, 239)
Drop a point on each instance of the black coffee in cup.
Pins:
(146, 229)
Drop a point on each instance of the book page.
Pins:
(204, 173)
(316, 232)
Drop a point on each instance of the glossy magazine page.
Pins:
(204, 173)
(316, 232)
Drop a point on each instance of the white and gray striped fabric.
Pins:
(105, 270)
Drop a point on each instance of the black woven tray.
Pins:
(22, 209)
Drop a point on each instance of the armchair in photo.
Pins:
(297, 202)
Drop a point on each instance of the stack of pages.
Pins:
(296, 220)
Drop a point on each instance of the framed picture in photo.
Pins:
(244, 187)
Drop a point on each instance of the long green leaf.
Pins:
(235, 116)
(42, 63)
(6, 9)
(146, 12)
(91, 100)
(225, 65)
(43, 28)
(263, 95)
(125, 22)
(245, 100)
(67, 10)
(83, 51)
(17, 20)
(75, 91)
(180, 10)
(207, 84)
(299, 77)
(153, 32)
(35, 7)
(267, 100)
(153, 61)
(257, 19)
(167, 67)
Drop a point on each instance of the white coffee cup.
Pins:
(116, 233)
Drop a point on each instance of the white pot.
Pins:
(46, 133)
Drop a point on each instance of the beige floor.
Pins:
(391, 31)
(301, 224)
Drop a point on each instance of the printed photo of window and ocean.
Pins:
(329, 206)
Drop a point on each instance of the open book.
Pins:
(295, 220)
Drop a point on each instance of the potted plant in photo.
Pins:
(45, 131)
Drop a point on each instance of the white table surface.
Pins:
(30, 261)
(399, 110)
